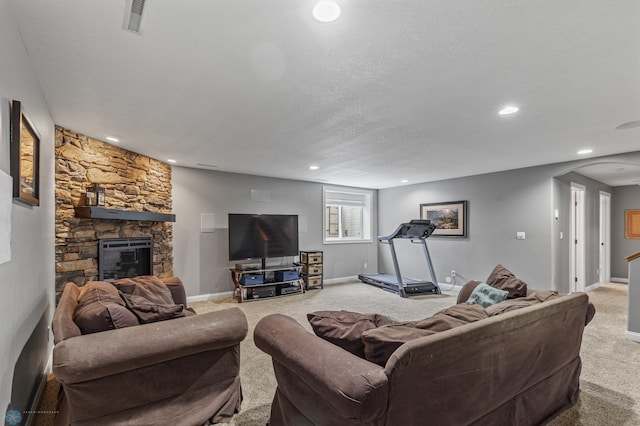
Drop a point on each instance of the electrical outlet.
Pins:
(364, 265)
(453, 273)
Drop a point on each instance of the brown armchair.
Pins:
(180, 371)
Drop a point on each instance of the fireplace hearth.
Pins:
(124, 258)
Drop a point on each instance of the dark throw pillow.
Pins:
(100, 308)
(147, 311)
(150, 287)
(344, 328)
(485, 295)
(509, 305)
(503, 279)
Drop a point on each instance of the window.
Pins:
(347, 215)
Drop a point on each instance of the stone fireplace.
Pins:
(132, 182)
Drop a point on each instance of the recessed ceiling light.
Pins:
(585, 151)
(508, 110)
(314, 167)
(112, 139)
(404, 181)
(326, 11)
(171, 160)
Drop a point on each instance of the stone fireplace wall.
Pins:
(131, 181)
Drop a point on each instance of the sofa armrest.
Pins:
(96, 355)
(354, 387)
(466, 291)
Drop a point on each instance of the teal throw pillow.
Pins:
(485, 295)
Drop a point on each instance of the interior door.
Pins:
(604, 268)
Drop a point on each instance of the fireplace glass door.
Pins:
(124, 258)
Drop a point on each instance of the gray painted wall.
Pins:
(624, 197)
(500, 204)
(200, 259)
(28, 279)
(560, 246)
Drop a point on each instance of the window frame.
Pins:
(366, 214)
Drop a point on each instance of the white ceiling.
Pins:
(394, 89)
(613, 174)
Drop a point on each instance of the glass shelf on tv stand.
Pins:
(240, 291)
(269, 269)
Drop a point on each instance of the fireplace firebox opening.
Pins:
(124, 258)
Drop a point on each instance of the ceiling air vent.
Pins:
(133, 15)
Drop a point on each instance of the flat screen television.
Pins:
(259, 236)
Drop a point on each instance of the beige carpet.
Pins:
(610, 382)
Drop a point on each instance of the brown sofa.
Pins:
(180, 371)
(520, 367)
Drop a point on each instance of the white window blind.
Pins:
(347, 215)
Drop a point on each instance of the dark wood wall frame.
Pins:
(25, 157)
(460, 218)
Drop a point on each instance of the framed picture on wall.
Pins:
(449, 217)
(632, 224)
(25, 157)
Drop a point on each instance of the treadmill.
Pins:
(417, 230)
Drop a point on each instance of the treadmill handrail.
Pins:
(416, 229)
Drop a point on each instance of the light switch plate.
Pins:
(520, 235)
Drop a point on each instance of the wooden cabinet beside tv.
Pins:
(311, 274)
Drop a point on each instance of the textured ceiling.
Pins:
(394, 89)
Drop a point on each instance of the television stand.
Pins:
(268, 282)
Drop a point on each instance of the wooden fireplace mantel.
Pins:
(91, 212)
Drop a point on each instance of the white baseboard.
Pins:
(591, 287)
(447, 287)
(209, 296)
(619, 280)
(631, 335)
(340, 280)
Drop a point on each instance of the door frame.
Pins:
(577, 242)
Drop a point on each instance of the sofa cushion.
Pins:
(344, 328)
(150, 287)
(175, 286)
(485, 295)
(381, 342)
(504, 279)
(100, 308)
(147, 311)
(533, 298)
